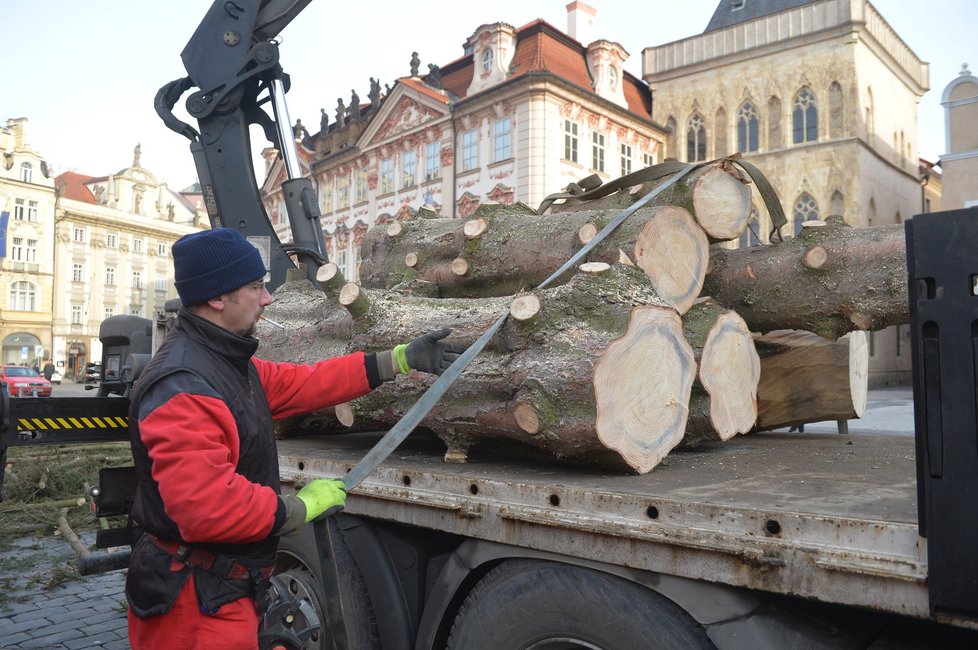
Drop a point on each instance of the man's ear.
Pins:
(216, 303)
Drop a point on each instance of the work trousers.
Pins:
(185, 627)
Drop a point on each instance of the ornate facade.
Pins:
(822, 96)
(960, 164)
(523, 113)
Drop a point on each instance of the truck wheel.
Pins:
(537, 605)
(301, 579)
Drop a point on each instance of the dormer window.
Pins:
(26, 172)
(736, 5)
(487, 58)
(612, 78)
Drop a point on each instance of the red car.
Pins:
(24, 382)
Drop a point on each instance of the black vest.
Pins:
(196, 351)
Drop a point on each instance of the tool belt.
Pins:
(223, 566)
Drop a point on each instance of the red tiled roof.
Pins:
(540, 47)
(416, 84)
(74, 186)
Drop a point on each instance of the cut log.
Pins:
(574, 380)
(724, 398)
(516, 251)
(805, 378)
(860, 285)
(718, 196)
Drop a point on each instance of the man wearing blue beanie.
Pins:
(208, 497)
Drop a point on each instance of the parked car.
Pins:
(22, 381)
(56, 377)
(93, 373)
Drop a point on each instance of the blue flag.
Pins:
(4, 216)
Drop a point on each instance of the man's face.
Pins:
(243, 306)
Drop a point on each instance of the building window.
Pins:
(161, 249)
(470, 150)
(111, 240)
(806, 209)
(137, 280)
(695, 138)
(76, 314)
(110, 276)
(409, 168)
(23, 296)
(386, 175)
(747, 128)
(612, 78)
(137, 245)
(32, 211)
(20, 210)
(135, 310)
(343, 192)
(736, 5)
(501, 140)
(487, 58)
(161, 282)
(804, 117)
(626, 159)
(570, 141)
(326, 195)
(30, 253)
(597, 151)
(342, 257)
(17, 249)
(108, 313)
(78, 235)
(432, 160)
(77, 272)
(362, 189)
(648, 160)
(26, 172)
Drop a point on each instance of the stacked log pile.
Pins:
(617, 362)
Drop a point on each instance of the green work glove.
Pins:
(428, 353)
(323, 496)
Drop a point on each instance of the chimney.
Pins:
(580, 21)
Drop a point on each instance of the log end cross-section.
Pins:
(642, 384)
(721, 203)
(730, 370)
(674, 252)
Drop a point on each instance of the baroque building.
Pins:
(27, 200)
(822, 96)
(112, 239)
(520, 115)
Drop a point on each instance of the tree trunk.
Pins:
(724, 398)
(805, 378)
(829, 280)
(572, 379)
(718, 196)
(504, 250)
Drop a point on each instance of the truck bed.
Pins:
(825, 516)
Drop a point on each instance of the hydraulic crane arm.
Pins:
(231, 60)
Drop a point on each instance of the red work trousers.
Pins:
(185, 627)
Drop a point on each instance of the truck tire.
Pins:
(303, 582)
(538, 605)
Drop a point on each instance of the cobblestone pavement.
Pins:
(45, 604)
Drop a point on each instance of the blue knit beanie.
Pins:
(210, 263)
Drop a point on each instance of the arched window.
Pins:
(804, 117)
(612, 78)
(837, 204)
(487, 57)
(26, 172)
(836, 116)
(752, 235)
(774, 139)
(23, 296)
(806, 209)
(720, 144)
(672, 139)
(695, 138)
(747, 126)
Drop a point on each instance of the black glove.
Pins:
(429, 353)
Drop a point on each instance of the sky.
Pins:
(85, 73)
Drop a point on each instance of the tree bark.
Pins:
(572, 379)
(805, 378)
(857, 281)
(514, 251)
